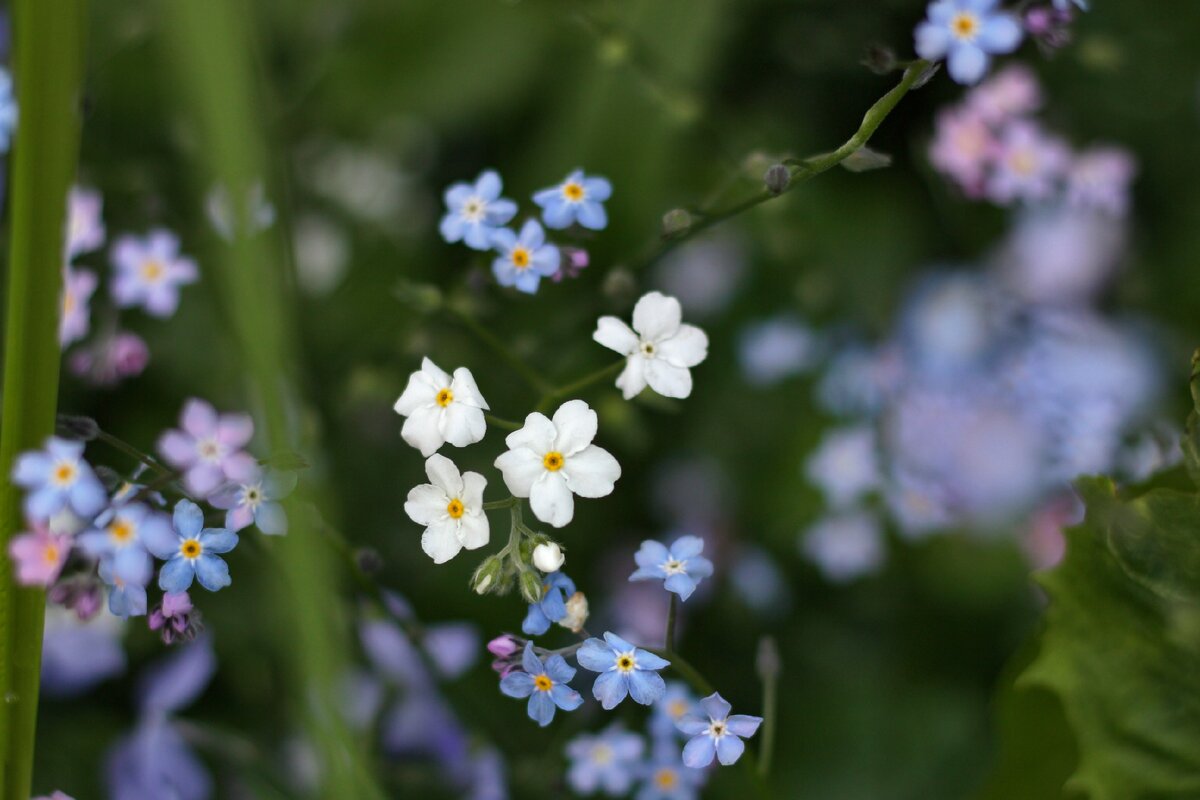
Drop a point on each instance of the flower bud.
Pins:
(675, 222)
(577, 613)
(487, 575)
(70, 426)
(368, 559)
(777, 178)
(768, 662)
(531, 586)
(879, 59)
(548, 557)
(504, 645)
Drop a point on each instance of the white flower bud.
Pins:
(577, 613)
(548, 557)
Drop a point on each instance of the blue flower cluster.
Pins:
(477, 213)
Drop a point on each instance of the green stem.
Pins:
(685, 670)
(672, 612)
(502, 423)
(563, 392)
(799, 171)
(494, 505)
(131, 451)
(527, 373)
(49, 47)
(770, 701)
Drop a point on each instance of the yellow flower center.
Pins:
(965, 25)
(152, 270)
(666, 778)
(51, 554)
(445, 397)
(191, 548)
(121, 531)
(1023, 162)
(674, 567)
(68, 302)
(455, 509)
(64, 473)
(572, 191)
(520, 257)
(677, 709)
(602, 754)
(543, 683)
(647, 349)
(625, 662)
(553, 461)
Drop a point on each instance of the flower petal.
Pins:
(595, 655)
(743, 724)
(422, 430)
(632, 379)
(517, 684)
(610, 689)
(270, 518)
(715, 706)
(537, 435)
(473, 530)
(462, 425)
(444, 475)
(218, 540)
(188, 518)
(698, 753)
(687, 348)
(575, 425)
(614, 334)
(591, 472)
(646, 687)
(541, 708)
(729, 749)
(465, 390)
(657, 316)
(176, 575)
(550, 499)
(521, 469)
(668, 379)
(212, 572)
(440, 541)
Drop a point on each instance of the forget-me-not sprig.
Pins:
(556, 588)
(578, 198)
(714, 732)
(545, 684)
(256, 501)
(624, 670)
(525, 258)
(474, 211)
(192, 551)
(58, 478)
(680, 568)
(607, 761)
(967, 33)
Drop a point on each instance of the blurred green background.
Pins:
(372, 108)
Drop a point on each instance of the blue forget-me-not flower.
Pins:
(624, 670)
(680, 568)
(545, 684)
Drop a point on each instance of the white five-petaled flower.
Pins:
(441, 409)
(548, 461)
(660, 349)
(450, 507)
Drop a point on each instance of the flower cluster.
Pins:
(148, 273)
(85, 532)
(992, 147)
(477, 213)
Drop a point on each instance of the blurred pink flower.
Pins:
(78, 287)
(39, 555)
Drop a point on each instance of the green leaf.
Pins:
(1191, 436)
(1121, 645)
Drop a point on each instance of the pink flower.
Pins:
(39, 555)
(1013, 92)
(209, 448)
(150, 272)
(78, 287)
(963, 147)
(1100, 179)
(1029, 164)
(123, 355)
(85, 228)
(55, 796)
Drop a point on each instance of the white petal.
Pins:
(615, 335)
(444, 475)
(465, 390)
(537, 435)
(520, 469)
(632, 379)
(667, 379)
(472, 494)
(436, 375)
(419, 392)
(473, 530)
(440, 541)
(421, 430)
(551, 500)
(575, 426)
(656, 316)
(592, 472)
(687, 348)
(462, 425)
(426, 504)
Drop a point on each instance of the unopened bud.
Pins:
(70, 426)
(548, 557)
(675, 222)
(768, 661)
(531, 586)
(577, 613)
(777, 178)
(368, 559)
(487, 575)
(879, 59)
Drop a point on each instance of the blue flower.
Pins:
(474, 212)
(577, 199)
(257, 501)
(606, 761)
(552, 607)
(117, 538)
(524, 260)
(624, 670)
(676, 702)
(966, 33)
(544, 684)
(58, 478)
(8, 111)
(714, 732)
(191, 552)
(680, 569)
(665, 778)
(127, 587)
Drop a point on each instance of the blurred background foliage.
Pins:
(372, 107)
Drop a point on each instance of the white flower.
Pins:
(441, 409)
(659, 347)
(548, 557)
(451, 509)
(548, 461)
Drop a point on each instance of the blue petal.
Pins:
(565, 697)
(598, 189)
(95, 543)
(530, 661)
(488, 185)
(743, 724)
(932, 40)
(681, 585)
(558, 669)
(617, 643)
(967, 64)
(655, 573)
(158, 538)
(648, 660)
(699, 567)
(729, 749)
(527, 281)
(532, 235)
(596, 656)
(1001, 33)
(176, 575)
(548, 197)
(592, 216)
(698, 753)
(541, 708)
(646, 687)
(553, 606)
(558, 215)
(651, 554)
(715, 706)
(87, 495)
(686, 547)
(535, 623)
(212, 572)
(517, 684)
(563, 582)
(499, 212)
(31, 469)
(271, 519)
(478, 236)
(278, 484)
(610, 689)
(452, 227)
(44, 503)
(188, 518)
(133, 565)
(218, 540)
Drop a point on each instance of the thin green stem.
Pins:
(131, 451)
(685, 670)
(563, 392)
(502, 423)
(770, 702)
(672, 612)
(527, 373)
(799, 171)
(495, 505)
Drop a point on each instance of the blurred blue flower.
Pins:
(716, 733)
(58, 478)
(664, 777)
(846, 546)
(257, 501)
(8, 111)
(680, 568)
(776, 349)
(524, 260)
(606, 761)
(473, 212)
(117, 537)
(759, 581)
(191, 553)
(578, 198)
(127, 589)
(624, 670)
(77, 655)
(966, 33)
(556, 588)
(544, 684)
(676, 701)
(845, 466)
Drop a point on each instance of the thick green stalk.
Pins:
(49, 58)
